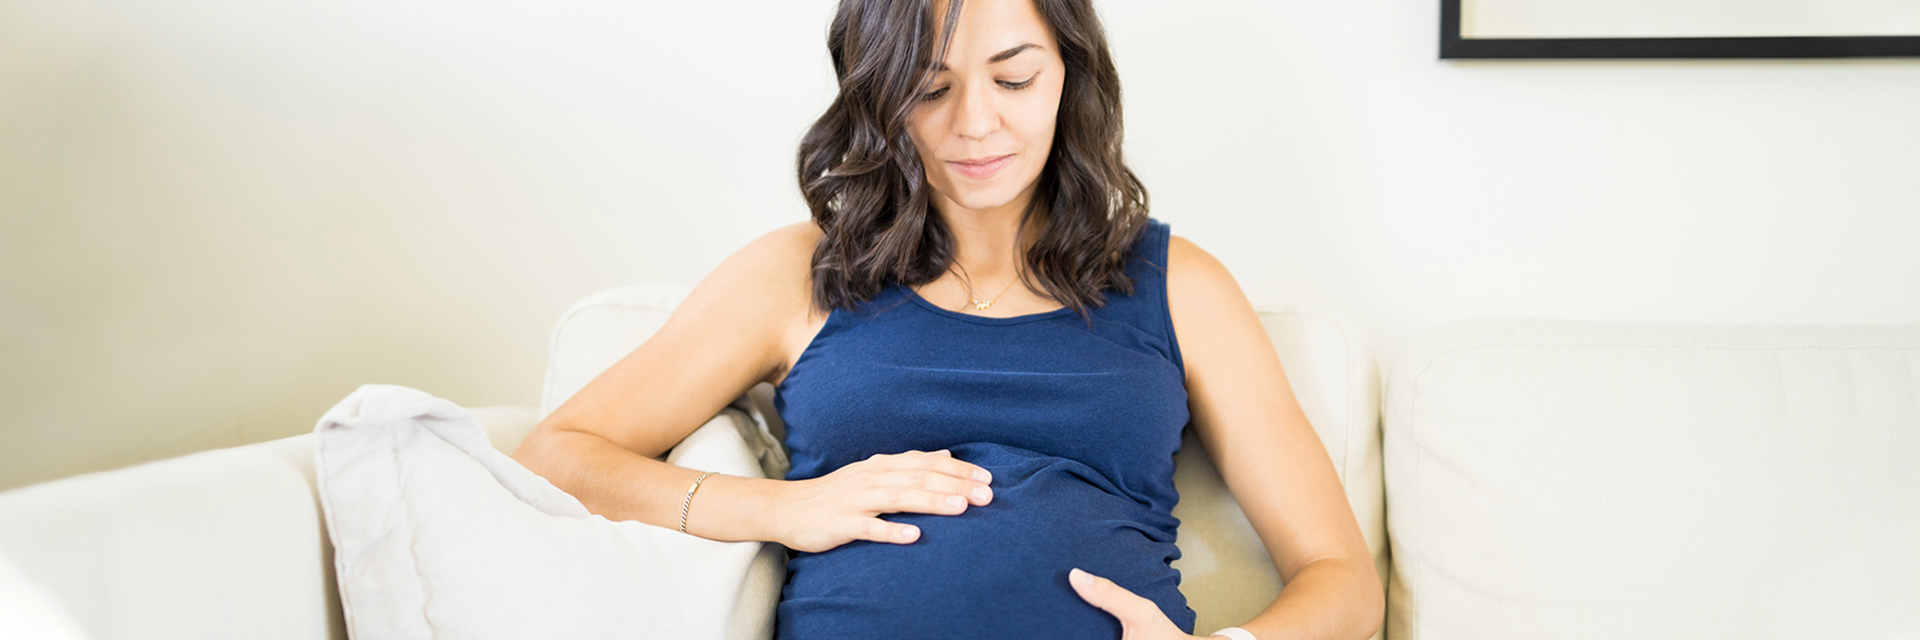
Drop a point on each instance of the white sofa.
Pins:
(1546, 479)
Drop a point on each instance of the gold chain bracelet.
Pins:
(689, 501)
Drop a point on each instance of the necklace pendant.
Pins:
(982, 304)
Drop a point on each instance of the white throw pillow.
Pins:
(438, 535)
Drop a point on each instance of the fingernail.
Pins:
(1080, 578)
(983, 476)
(983, 493)
(955, 501)
(908, 533)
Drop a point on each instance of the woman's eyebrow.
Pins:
(998, 57)
(1004, 55)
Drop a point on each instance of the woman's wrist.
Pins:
(767, 496)
(732, 508)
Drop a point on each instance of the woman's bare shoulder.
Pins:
(1190, 267)
(1211, 314)
(762, 293)
(728, 333)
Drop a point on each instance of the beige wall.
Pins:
(219, 217)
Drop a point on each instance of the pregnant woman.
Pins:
(984, 351)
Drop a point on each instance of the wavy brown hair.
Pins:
(862, 177)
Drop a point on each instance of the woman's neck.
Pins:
(988, 244)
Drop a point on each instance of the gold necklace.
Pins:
(982, 304)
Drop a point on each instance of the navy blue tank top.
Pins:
(1078, 425)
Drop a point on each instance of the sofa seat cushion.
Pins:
(1559, 479)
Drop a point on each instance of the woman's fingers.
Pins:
(897, 499)
(931, 482)
(877, 530)
(1137, 614)
(974, 493)
(941, 461)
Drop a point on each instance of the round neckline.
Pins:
(915, 296)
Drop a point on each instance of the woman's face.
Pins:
(984, 126)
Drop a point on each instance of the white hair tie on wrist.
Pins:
(1236, 633)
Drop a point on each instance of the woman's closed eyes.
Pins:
(941, 92)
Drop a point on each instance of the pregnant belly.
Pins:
(995, 571)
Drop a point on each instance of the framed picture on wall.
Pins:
(1679, 28)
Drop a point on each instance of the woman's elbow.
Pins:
(1372, 596)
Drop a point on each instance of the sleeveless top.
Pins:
(1078, 425)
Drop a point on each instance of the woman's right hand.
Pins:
(822, 513)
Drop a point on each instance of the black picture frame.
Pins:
(1455, 47)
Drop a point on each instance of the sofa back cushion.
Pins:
(1559, 479)
(1226, 573)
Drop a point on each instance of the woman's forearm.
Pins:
(1328, 599)
(619, 484)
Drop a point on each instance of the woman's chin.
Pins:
(988, 199)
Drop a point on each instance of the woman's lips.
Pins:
(980, 168)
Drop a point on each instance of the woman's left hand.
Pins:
(1140, 618)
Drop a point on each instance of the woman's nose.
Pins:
(978, 115)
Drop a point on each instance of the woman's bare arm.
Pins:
(604, 445)
(1246, 416)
